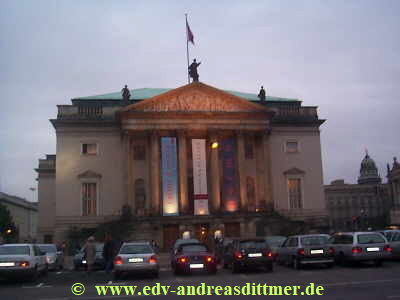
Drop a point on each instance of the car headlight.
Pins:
(50, 259)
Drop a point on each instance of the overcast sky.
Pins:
(342, 56)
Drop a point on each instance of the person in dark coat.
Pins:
(110, 251)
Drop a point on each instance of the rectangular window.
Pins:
(89, 149)
(294, 187)
(292, 147)
(89, 199)
(248, 151)
(139, 152)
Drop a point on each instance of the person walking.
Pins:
(90, 254)
(110, 251)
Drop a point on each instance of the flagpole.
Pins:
(187, 49)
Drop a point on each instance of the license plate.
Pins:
(320, 251)
(196, 266)
(255, 254)
(135, 259)
(7, 264)
(84, 261)
(374, 249)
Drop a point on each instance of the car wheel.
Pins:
(45, 270)
(117, 275)
(236, 268)
(329, 265)
(269, 267)
(296, 264)
(76, 268)
(378, 263)
(34, 275)
(340, 259)
(155, 274)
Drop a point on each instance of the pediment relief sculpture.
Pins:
(293, 171)
(89, 174)
(196, 97)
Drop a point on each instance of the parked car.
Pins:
(299, 250)
(248, 253)
(136, 257)
(193, 257)
(54, 258)
(360, 247)
(393, 237)
(80, 261)
(179, 242)
(274, 242)
(22, 261)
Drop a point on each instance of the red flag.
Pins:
(189, 34)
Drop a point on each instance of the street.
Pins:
(347, 282)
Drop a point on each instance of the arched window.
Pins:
(140, 195)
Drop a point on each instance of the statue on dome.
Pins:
(126, 94)
(193, 70)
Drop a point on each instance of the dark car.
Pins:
(299, 250)
(80, 261)
(248, 253)
(193, 257)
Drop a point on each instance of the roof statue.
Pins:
(126, 94)
(193, 70)
(261, 94)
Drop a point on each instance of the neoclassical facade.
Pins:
(393, 176)
(359, 206)
(192, 159)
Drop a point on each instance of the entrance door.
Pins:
(170, 234)
(203, 233)
(232, 230)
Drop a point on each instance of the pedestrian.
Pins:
(110, 251)
(90, 254)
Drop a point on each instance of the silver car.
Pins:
(393, 237)
(360, 246)
(301, 250)
(136, 257)
(53, 257)
(22, 260)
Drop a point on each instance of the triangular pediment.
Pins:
(195, 97)
(89, 174)
(293, 171)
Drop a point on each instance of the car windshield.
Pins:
(193, 248)
(181, 242)
(370, 239)
(48, 248)
(14, 250)
(314, 240)
(396, 237)
(275, 240)
(136, 249)
(253, 244)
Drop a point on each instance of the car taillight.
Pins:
(356, 250)
(300, 252)
(387, 248)
(331, 251)
(118, 260)
(182, 260)
(24, 264)
(238, 255)
(268, 253)
(209, 259)
(153, 259)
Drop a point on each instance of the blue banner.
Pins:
(230, 188)
(169, 176)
